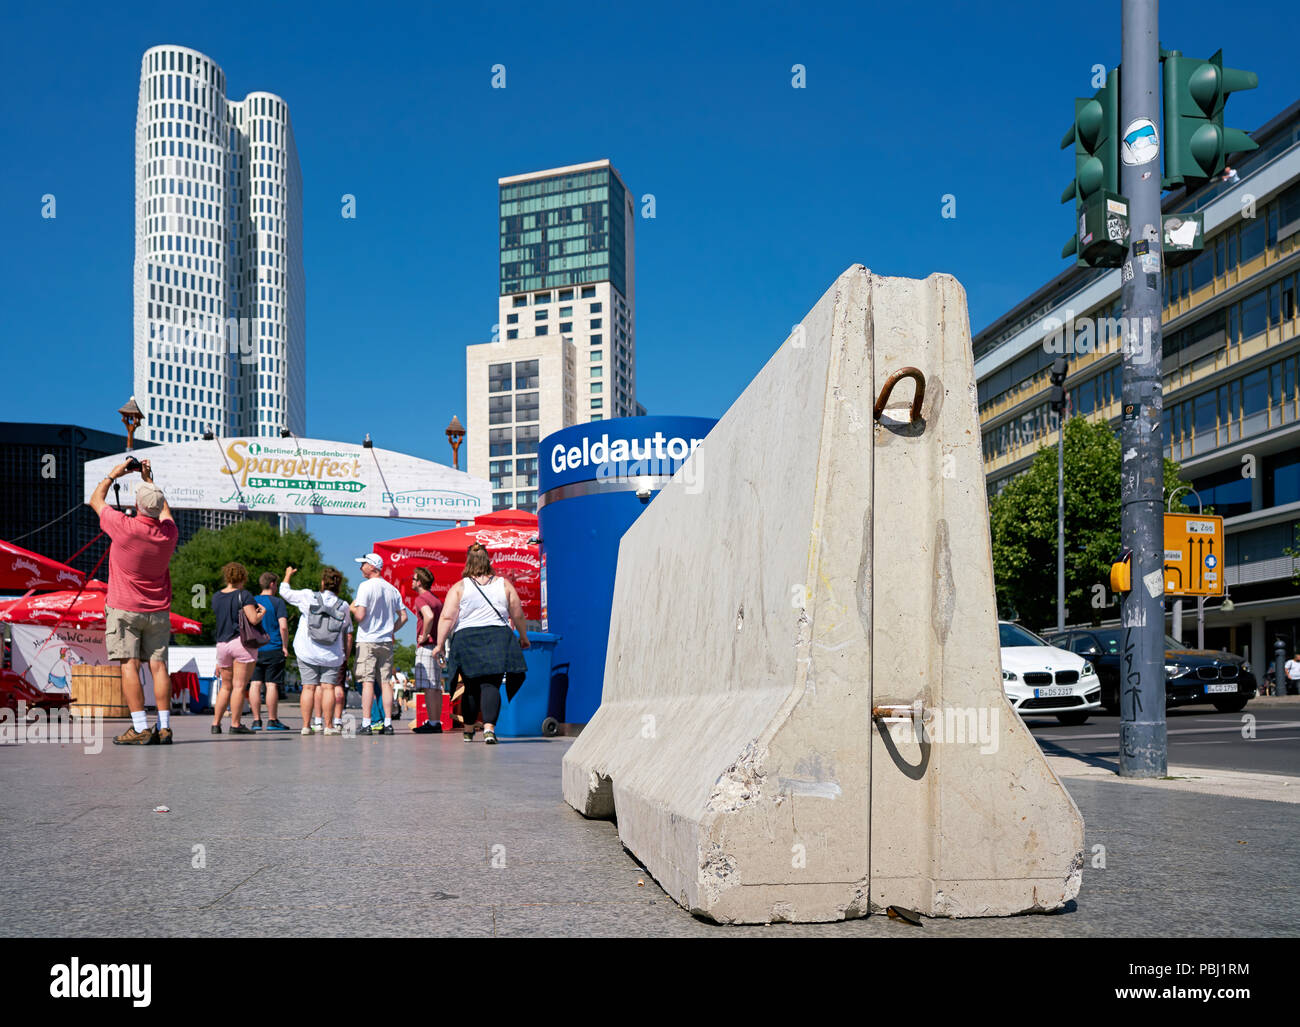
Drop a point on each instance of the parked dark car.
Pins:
(1191, 675)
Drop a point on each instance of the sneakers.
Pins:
(365, 730)
(133, 737)
(275, 725)
(489, 738)
(240, 729)
(427, 728)
(164, 735)
(469, 734)
(387, 729)
(307, 730)
(216, 729)
(332, 732)
(257, 725)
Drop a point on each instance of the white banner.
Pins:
(301, 476)
(48, 665)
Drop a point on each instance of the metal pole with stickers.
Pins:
(1143, 739)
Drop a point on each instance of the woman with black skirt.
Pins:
(484, 650)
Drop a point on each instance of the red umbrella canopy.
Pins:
(84, 612)
(22, 570)
(509, 536)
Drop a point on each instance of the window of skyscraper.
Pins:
(499, 442)
(526, 406)
(499, 410)
(498, 377)
(526, 439)
(588, 290)
(526, 374)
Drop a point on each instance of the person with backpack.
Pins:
(322, 643)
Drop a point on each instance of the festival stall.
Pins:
(510, 537)
(58, 632)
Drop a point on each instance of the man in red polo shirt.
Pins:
(137, 609)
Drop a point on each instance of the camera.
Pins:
(132, 464)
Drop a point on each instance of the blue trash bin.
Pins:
(206, 690)
(522, 716)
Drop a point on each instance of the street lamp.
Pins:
(455, 435)
(131, 418)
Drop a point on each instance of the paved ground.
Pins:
(425, 835)
(1198, 736)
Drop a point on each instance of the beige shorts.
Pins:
(137, 636)
(374, 661)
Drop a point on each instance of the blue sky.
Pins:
(764, 193)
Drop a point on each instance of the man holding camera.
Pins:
(137, 609)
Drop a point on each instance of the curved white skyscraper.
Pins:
(219, 291)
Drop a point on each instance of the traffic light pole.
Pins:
(1143, 740)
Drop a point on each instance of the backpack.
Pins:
(325, 623)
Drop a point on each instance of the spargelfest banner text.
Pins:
(302, 476)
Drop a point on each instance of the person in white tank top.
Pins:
(477, 616)
(486, 606)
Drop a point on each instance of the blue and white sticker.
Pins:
(1211, 561)
(1141, 142)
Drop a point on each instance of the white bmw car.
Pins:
(1039, 678)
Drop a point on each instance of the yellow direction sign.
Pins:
(1194, 554)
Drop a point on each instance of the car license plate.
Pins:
(1227, 686)
(1048, 693)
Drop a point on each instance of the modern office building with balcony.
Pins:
(1231, 357)
(565, 347)
(219, 341)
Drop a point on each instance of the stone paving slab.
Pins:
(397, 836)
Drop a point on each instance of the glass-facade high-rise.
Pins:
(565, 230)
(565, 339)
(219, 289)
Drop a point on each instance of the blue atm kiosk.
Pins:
(594, 481)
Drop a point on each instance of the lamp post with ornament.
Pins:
(455, 435)
(132, 417)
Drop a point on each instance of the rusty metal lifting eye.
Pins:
(894, 379)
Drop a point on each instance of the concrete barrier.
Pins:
(824, 565)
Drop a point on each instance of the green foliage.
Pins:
(255, 544)
(1022, 519)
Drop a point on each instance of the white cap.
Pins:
(374, 559)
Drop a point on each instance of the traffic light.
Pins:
(1056, 394)
(1101, 214)
(1196, 143)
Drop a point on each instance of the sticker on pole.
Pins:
(1141, 142)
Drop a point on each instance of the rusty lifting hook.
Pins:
(894, 379)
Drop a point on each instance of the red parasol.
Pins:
(510, 538)
(22, 570)
(86, 613)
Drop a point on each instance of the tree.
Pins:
(1022, 519)
(196, 568)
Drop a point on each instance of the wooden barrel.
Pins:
(98, 690)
